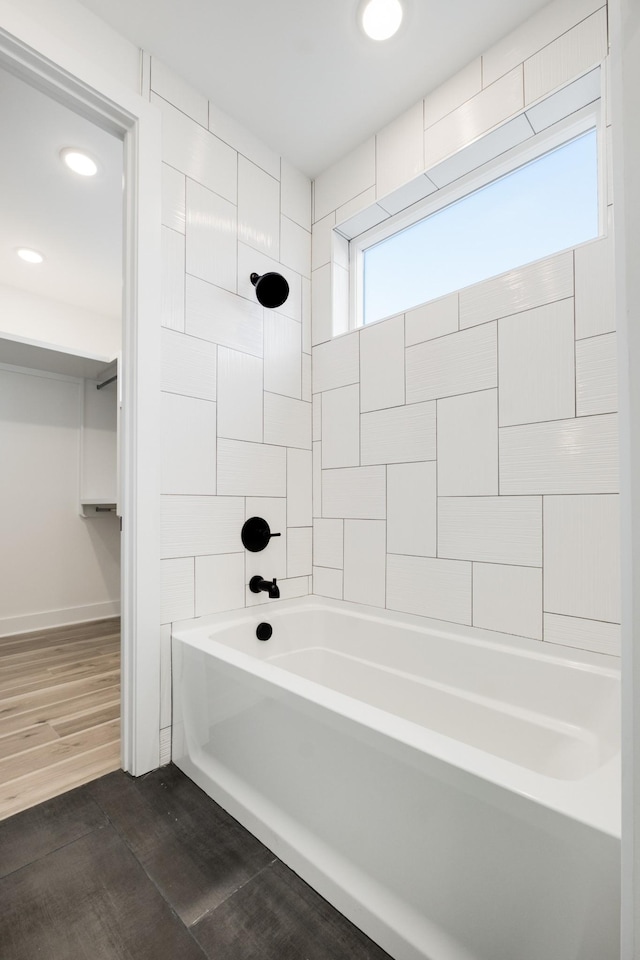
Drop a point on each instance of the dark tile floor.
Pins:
(153, 869)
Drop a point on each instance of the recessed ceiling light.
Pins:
(31, 256)
(381, 18)
(79, 162)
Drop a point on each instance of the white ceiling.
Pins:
(76, 222)
(301, 75)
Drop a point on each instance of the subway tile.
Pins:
(316, 463)
(399, 151)
(468, 445)
(382, 364)
(197, 153)
(222, 317)
(540, 30)
(219, 583)
(537, 364)
(460, 363)
(440, 589)
(295, 247)
(521, 289)
(282, 354)
(251, 469)
(188, 445)
(322, 240)
(306, 377)
(345, 179)
(340, 300)
(596, 375)
(173, 198)
(272, 561)
(316, 415)
(239, 395)
(365, 561)
(595, 635)
(287, 422)
(476, 116)
(188, 366)
(341, 427)
(299, 561)
(566, 101)
(178, 92)
(355, 492)
(172, 282)
(296, 195)
(508, 599)
(251, 261)
(491, 529)
(398, 435)
(321, 305)
(411, 509)
(582, 557)
(408, 194)
(489, 146)
(431, 320)
(563, 456)
(462, 86)
(176, 589)
(336, 363)
(211, 235)
(165, 673)
(328, 543)
(571, 54)
(238, 137)
(299, 474)
(327, 583)
(595, 289)
(194, 526)
(258, 209)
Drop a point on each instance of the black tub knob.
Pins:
(256, 534)
(264, 631)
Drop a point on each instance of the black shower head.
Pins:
(271, 289)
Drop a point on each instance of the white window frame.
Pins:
(588, 118)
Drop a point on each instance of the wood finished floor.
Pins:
(153, 869)
(59, 711)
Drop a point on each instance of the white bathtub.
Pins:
(455, 793)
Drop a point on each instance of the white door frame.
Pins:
(69, 78)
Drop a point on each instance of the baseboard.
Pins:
(58, 618)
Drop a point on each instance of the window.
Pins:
(545, 205)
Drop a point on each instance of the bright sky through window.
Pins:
(545, 206)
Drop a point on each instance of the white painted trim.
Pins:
(58, 618)
(39, 57)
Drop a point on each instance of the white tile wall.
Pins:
(400, 151)
(240, 395)
(321, 243)
(321, 305)
(242, 140)
(176, 589)
(172, 286)
(595, 298)
(431, 320)
(571, 54)
(173, 88)
(382, 365)
(251, 469)
(222, 317)
(537, 364)
(295, 246)
(272, 561)
(411, 509)
(211, 237)
(429, 588)
(398, 435)
(468, 445)
(299, 494)
(582, 557)
(460, 363)
(219, 583)
(460, 88)
(585, 634)
(328, 543)
(508, 599)
(341, 427)
(345, 180)
(287, 421)
(563, 456)
(491, 529)
(355, 492)
(299, 551)
(316, 455)
(194, 526)
(188, 446)
(365, 561)
(258, 208)
(282, 354)
(596, 375)
(173, 198)
(327, 583)
(336, 363)
(188, 366)
(296, 195)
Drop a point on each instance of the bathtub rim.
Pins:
(593, 800)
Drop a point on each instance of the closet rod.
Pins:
(104, 383)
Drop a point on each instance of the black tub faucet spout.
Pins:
(257, 584)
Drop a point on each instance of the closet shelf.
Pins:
(38, 355)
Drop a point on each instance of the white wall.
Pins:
(55, 567)
(444, 483)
